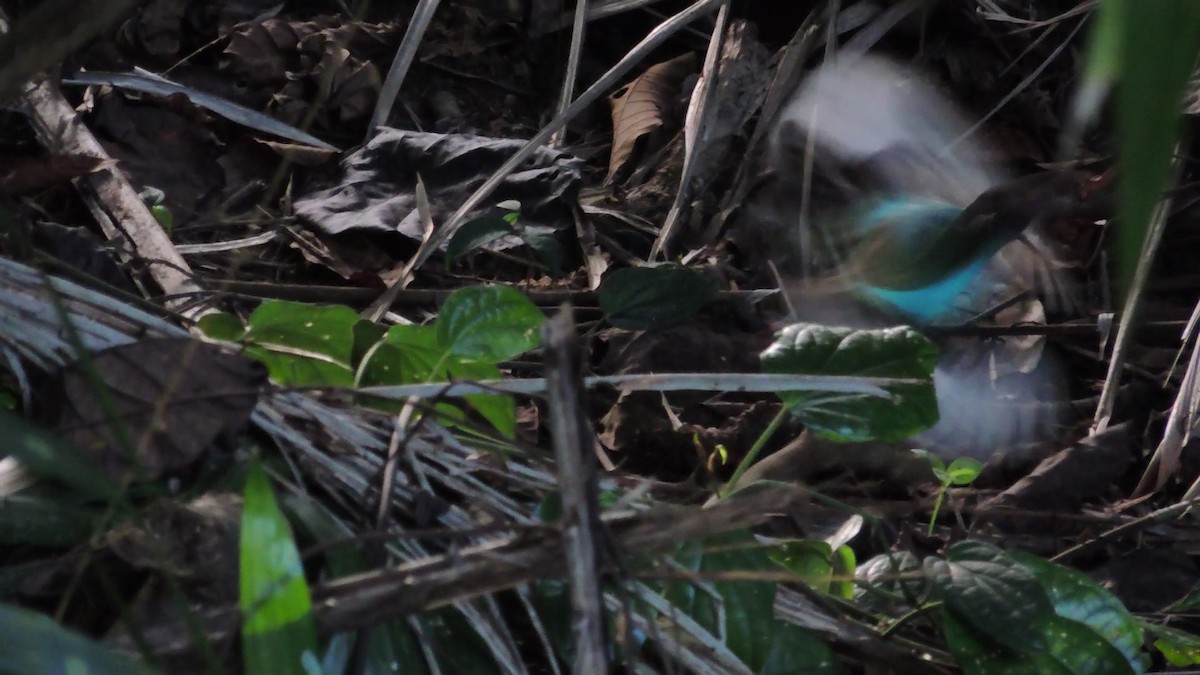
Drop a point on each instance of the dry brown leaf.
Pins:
(638, 108)
(304, 155)
(174, 398)
(27, 175)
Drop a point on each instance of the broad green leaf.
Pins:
(388, 366)
(304, 345)
(488, 323)
(963, 471)
(366, 335)
(809, 349)
(545, 245)
(979, 655)
(301, 369)
(498, 409)
(221, 326)
(1083, 652)
(1072, 648)
(796, 650)
(34, 643)
(164, 217)
(650, 298)
(1078, 597)
(1157, 43)
(1002, 617)
(325, 329)
(742, 611)
(995, 594)
(1180, 648)
(885, 581)
(475, 234)
(278, 632)
(812, 561)
(45, 454)
(845, 564)
(392, 647)
(422, 359)
(457, 644)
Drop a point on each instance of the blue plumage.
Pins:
(918, 234)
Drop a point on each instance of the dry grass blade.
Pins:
(421, 18)
(568, 91)
(699, 117)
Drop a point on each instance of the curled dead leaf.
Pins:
(640, 107)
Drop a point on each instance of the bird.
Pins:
(917, 256)
(910, 220)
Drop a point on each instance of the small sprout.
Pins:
(962, 471)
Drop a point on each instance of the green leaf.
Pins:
(422, 359)
(1082, 651)
(36, 644)
(1157, 43)
(844, 567)
(301, 369)
(997, 622)
(164, 217)
(546, 247)
(304, 345)
(278, 632)
(488, 323)
(1178, 647)
(456, 642)
(809, 349)
(221, 326)
(498, 409)
(995, 594)
(475, 234)
(387, 367)
(651, 298)
(796, 650)
(963, 471)
(392, 647)
(979, 655)
(1077, 597)
(812, 561)
(366, 335)
(742, 611)
(1072, 649)
(887, 578)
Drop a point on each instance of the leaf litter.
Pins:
(479, 85)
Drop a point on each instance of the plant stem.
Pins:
(759, 444)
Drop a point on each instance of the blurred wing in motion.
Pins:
(872, 113)
(907, 215)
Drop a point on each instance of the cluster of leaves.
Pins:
(332, 346)
(999, 611)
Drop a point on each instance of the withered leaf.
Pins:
(377, 188)
(174, 397)
(639, 108)
(197, 541)
(28, 175)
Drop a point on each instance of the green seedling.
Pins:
(962, 471)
